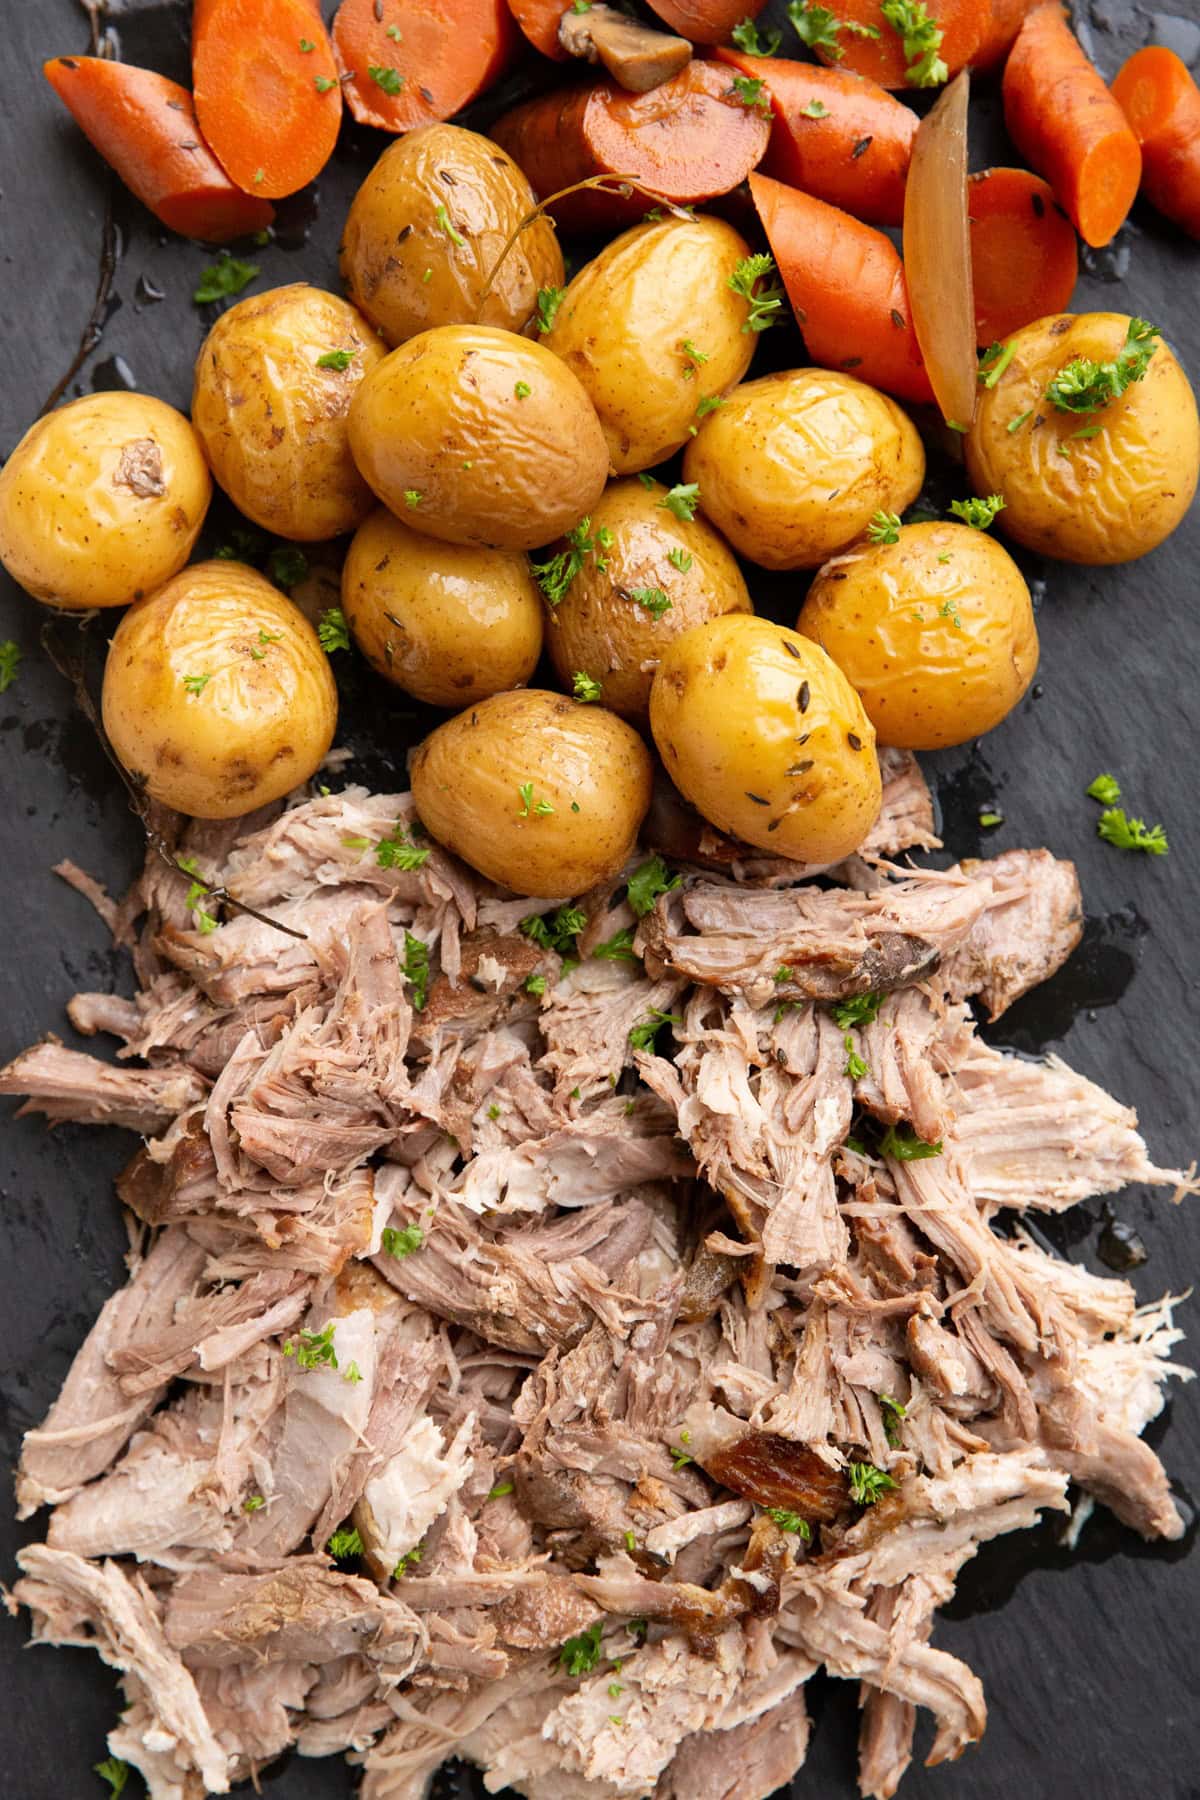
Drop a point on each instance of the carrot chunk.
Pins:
(863, 40)
(269, 107)
(1023, 252)
(705, 21)
(415, 62)
(1162, 103)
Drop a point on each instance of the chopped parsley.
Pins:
(408, 1561)
(557, 930)
(682, 500)
(977, 513)
(391, 81)
(902, 1144)
(655, 601)
(708, 403)
(535, 984)
(991, 819)
(10, 661)
(493, 1112)
(585, 687)
(306, 44)
(522, 390)
(1106, 789)
(287, 566)
(336, 359)
(412, 498)
(224, 278)
(539, 808)
(648, 881)
(922, 38)
(403, 1242)
(446, 224)
(548, 302)
(196, 684)
(994, 361)
(323, 83)
(816, 109)
(346, 1541)
(395, 33)
(555, 575)
(695, 357)
(764, 303)
(679, 1458)
(817, 27)
(867, 1483)
(783, 973)
(415, 969)
(579, 1655)
(948, 610)
(643, 1034)
(399, 852)
(1016, 424)
(678, 559)
(254, 1504)
(333, 630)
(313, 1349)
(748, 91)
(893, 1411)
(1084, 386)
(884, 528)
(1131, 834)
(856, 1068)
(618, 948)
(790, 1521)
(115, 1772)
(500, 1490)
(749, 39)
(860, 1009)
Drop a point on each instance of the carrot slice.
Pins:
(269, 108)
(538, 20)
(414, 62)
(1162, 103)
(145, 127)
(1023, 253)
(835, 135)
(1065, 122)
(846, 285)
(705, 21)
(881, 57)
(1008, 16)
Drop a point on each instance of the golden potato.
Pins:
(273, 420)
(657, 577)
(762, 732)
(449, 623)
(477, 436)
(217, 694)
(1102, 486)
(101, 501)
(535, 791)
(793, 465)
(427, 227)
(935, 632)
(654, 331)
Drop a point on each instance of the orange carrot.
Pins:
(269, 107)
(145, 127)
(705, 21)
(1065, 122)
(1008, 16)
(835, 135)
(1023, 254)
(1162, 103)
(414, 62)
(538, 20)
(882, 57)
(846, 285)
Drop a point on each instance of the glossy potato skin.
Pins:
(272, 423)
(794, 465)
(1106, 499)
(584, 762)
(441, 417)
(263, 721)
(623, 322)
(938, 651)
(762, 732)
(102, 500)
(448, 623)
(393, 235)
(601, 631)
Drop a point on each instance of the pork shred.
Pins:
(549, 1347)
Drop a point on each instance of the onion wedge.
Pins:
(937, 254)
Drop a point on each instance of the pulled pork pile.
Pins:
(551, 1363)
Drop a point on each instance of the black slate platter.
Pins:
(1089, 1657)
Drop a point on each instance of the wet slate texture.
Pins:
(1088, 1658)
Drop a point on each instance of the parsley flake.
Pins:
(224, 278)
(856, 1068)
(764, 303)
(555, 575)
(682, 500)
(254, 1504)
(893, 1411)
(977, 513)
(446, 224)
(648, 881)
(618, 948)
(548, 302)
(579, 1655)
(643, 1034)
(391, 81)
(585, 687)
(867, 1483)
(860, 1009)
(655, 601)
(196, 684)
(10, 660)
(902, 1144)
(323, 83)
(749, 39)
(403, 1242)
(1131, 834)
(412, 498)
(748, 91)
(816, 109)
(1106, 789)
(336, 359)
(790, 1521)
(333, 630)
(346, 1541)
(922, 39)
(115, 1772)
(1084, 386)
(538, 808)
(993, 363)
(884, 528)
(415, 969)
(680, 559)
(313, 1349)
(287, 566)
(408, 1561)
(399, 852)
(522, 390)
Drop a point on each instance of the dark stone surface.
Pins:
(1088, 1659)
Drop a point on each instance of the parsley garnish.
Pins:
(501, 1488)
(994, 361)
(346, 1541)
(10, 659)
(522, 390)
(306, 44)
(287, 566)
(585, 687)
(223, 278)
(323, 83)
(557, 931)
(555, 575)
(867, 1483)
(991, 819)
(922, 40)
(816, 109)
(1083, 385)
(1106, 789)
(893, 1412)
(403, 1242)
(493, 1112)
(395, 33)
(196, 684)
(579, 1655)
(254, 1504)
(884, 528)
(764, 303)
(415, 969)
(747, 37)
(860, 1009)
(529, 805)
(399, 852)
(1016, 424)
(408, 1561)
(856, 1068)
(412, 498)
(353, 1374)
(680, 559)
(817, 27)
(695, 357)
(682, 499)
(391, 81)
(748, 91)
(1131, 834)
(312, 1349)
(679, 1458)
(643, 1034)
(115, 1772)
(535, 984)
(446, 224)
(790, 1521)
(976, 513)
(618, 948)
(708, 403)
(336, 359)
(333, 630)
(648, 881)
(653, 599)
(548, 302)
(783, 973)
(902, 1144)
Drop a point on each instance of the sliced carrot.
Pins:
(538, 20)
(414, 62)
(835, 135)
(881, 57)
(1023, 252)
(1008, 16)
(145, 127)
(269, 108)
(1065, 122)
(846, 285)
(705, 21)
(1162, 103)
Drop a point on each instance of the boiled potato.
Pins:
(429, 225)
(935, 632)
(762, 732)
(449, 623)
(217, 694)
(1102, 498)
(273, 421)
(629, 598)
(654, 331)
(537, 792)
(478, 436)
(793, 465)
(101, 501)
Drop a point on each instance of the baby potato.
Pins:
(535, 791)
(657, 578)
(449, 623)
(478, 436)
(794, 465)
(217, 694)
(273, 420)
(653, 330)
(762, 732)
(428, 226)
(102, 500)
(935, 632)
(1096, 487)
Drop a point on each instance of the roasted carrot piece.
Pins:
(538, 20)
(863, 41)
(835, 135)
(145, 127)
(414, 62)
(1065, 122)
(1008, 16)
(705, 21)
(1162, 103)
(846, 285)
(269, 107)
(1023, 252)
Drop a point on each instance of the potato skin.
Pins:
(393, 235)
(448, 623)
(1106, 499)
(582, 761)
(263, 720)
(762, 732)
(938, 651)
(625, 318)
(441, 417)
(102, 500)
(601, 631)
(794, 465)
(272, 423)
